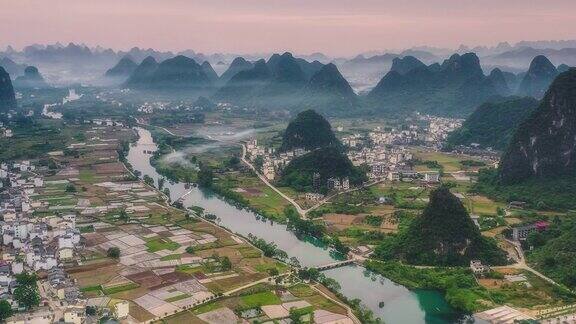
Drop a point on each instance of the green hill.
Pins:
(444, 235)
(493, 123)
(309, 130)
(328, 162)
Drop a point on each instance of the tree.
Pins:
(70, 188)
(113, 252)
(294, 262)
(225, 264)
(27, 295)
(161, 183)
(205, 177)
(5, 310)
(91, 310)
(190, 250)
(123, 216)
(148, 180)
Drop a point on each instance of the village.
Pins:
(98, 242)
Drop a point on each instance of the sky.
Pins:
(334, 27)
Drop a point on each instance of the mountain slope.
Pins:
(238, 64)
(539, 76)
(177, 73)
(492, 124)
(13, 68)
(209, 71)
(308, 131)
(453, 88)
(143, 72)
(444, 235)
(7, 96)
(544, 146)
(124, 68)
(406, 64)
(328, 91)
(246, 84)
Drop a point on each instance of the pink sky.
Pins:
(335, 27)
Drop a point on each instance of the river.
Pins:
(400, 304)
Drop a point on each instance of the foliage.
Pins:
(461, 289)
(542, 194)
(443, 235)
(27, 294)
(327, 162)
(268, 248)
(205, 177)
(5, 310)
(493, 123)
(373, 220)
(309, 131)
(554, 251)
(113, 252)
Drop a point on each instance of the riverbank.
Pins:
(401, 304)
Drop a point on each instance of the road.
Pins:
(303, 212)
(299, 209)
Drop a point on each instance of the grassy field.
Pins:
(119, 288)
(158, 244)
(260, 299)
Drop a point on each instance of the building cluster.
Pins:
(385, 157)
(438, 128)
(5, 131)
(31, 243)
(521, 232)
(272, 163)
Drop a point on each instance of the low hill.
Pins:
(7, 95)
(31, 79)
(444, 235)
(493, 123)
(327, 162)
(123, 69)
(309, 131)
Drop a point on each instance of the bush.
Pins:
(113, 252)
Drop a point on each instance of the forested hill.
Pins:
(328, 162)
(443, 235)
(309, 130)
(493, 123)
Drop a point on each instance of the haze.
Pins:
(335, 27)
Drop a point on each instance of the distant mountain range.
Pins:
(287, 82)
(453, 88)
(7, 95)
